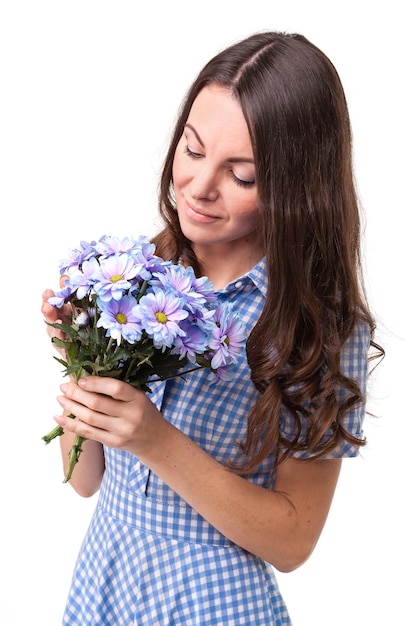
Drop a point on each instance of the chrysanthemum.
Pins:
(227, 338)
(118, 319)
(160, 314)
(109, 245)
(191, 343)
(144, 255)
(82, 319)
(61, 296)
(182, 282)
(119, 292)
(82, 280)
(204, 287)
(113, 275)
(224, 372)
(77, 257)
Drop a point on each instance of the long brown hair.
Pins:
(309, 229)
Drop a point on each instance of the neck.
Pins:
(223, 266)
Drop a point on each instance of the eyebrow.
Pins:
(231, 160)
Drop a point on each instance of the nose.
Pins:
(204, 184)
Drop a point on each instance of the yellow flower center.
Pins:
(161, 317)
(121, 318)
(116, 278)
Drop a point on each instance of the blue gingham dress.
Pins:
(148, 558)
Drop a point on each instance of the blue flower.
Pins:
(191, 343)
(62, 295)
(227, 338)
(118, 319)
(160, 314)
(109, 245)
(224, 372)
(144, 255)
(112, 277)
(183, 283)
(76, 257)
(141, 250)
(82, 280)
(82, 319)
(124, 301)
(204, 287)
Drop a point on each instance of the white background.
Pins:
(89, 93)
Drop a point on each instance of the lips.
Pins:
(197, 214)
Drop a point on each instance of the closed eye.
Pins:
(191, 154)
(242, 183)
(246, 184)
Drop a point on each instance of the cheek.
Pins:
(249, 212)
(178, 169)
(175, 169)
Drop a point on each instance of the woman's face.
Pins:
(214, 174)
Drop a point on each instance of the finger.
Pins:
(62, 280)
(83, 417)
(99, 401)
(48, 293)
(81, 428)
(51, 317)
(49, 312)
(111, 387)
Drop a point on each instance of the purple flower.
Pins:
(82, 280)
(61, 296)
(204, 287)
(125, 301)
(227, 338)
(118, 319)
(224, 372)
(145, 258)
(191, 343)
(160, 314)
(140, 250)
(112, 277)
(109, 245)
(183, 283)
(85, 318)
(77, 257)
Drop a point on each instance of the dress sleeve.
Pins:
(354, 364)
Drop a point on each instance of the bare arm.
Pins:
(90, 467)
(87, 476)
(281, 526)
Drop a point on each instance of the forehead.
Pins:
(216, 114)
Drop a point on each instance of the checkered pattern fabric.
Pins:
(148, 558)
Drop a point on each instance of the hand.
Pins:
(111, 412)
(53, 315)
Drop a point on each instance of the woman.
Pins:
(204, 487)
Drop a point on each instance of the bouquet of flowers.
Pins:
(140, 319)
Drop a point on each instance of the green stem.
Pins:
(74, 455)
(56, 432)
(109, 346)
(142, 290)
(133, 364)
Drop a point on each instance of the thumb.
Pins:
(62, 280)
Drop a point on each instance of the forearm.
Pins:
(281, 526)
(261, 521)
(88, 472)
